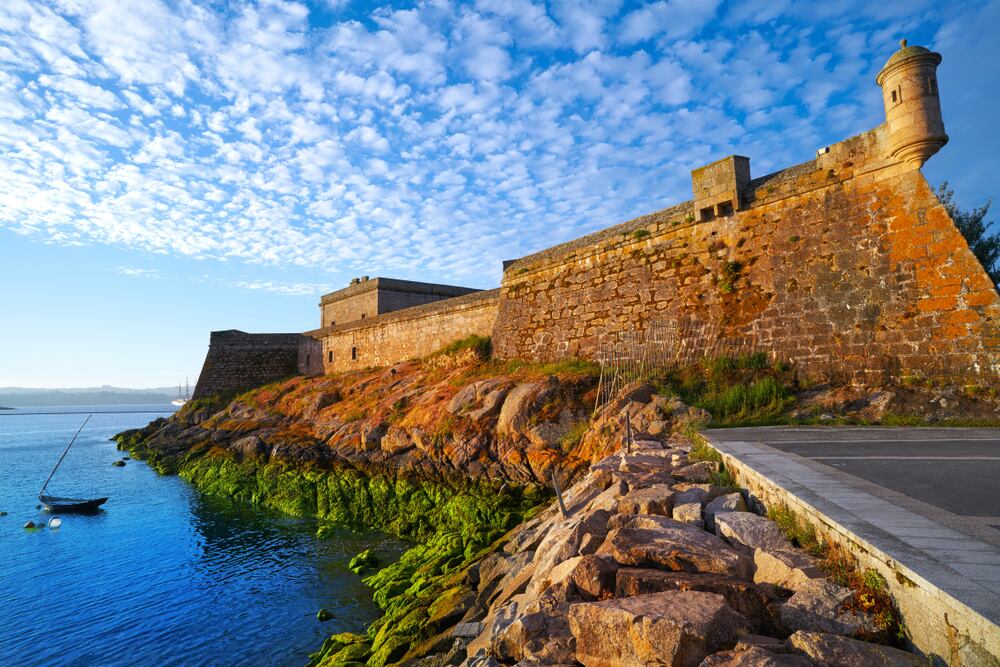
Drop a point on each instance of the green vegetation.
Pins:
(985, 246)
(871, 594)
(728, 275)
(640, 234)
(743, 390)
(482, 346)
(794, 238)
(574, 435)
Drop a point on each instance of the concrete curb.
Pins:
(948, 615)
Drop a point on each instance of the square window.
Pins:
(725, 208)
(708, 213)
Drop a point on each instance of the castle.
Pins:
(846, 265)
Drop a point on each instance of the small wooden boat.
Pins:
(66, 505)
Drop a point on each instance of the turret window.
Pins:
(930, 86)
(897, 96)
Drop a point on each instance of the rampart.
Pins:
(237, 361)
(846, 265)
(406, 334)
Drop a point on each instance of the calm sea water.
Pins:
(163, 575)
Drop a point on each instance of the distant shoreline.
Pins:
(3, 408)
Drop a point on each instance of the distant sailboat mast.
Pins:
(181, 400)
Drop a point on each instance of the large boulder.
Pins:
(670, 628)
(834, 651)
(818, 606)
(565, 539)
(650, 540)
(657, 499)
(743, 596)
(731, 502)
(788, 568)
(754, 656)
(745, 529)
(516, 412)
(690, 513)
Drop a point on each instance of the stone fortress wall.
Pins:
(237, 361)
(846, 265)
(407, 333)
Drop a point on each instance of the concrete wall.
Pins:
(847, 265)
(238, 361)
(407, 334)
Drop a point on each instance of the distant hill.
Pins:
(22, 397)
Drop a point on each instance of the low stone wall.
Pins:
(847, 265)
(237, 361)
(406, 334)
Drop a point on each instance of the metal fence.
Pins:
(639, 354)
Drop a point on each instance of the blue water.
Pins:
(163, 575)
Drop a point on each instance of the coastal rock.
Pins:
(637, 539)
(657, 499)
(785, 567)
(754, 656)
(249, 447)
(323, 615)
(748, 530)
(364, 561)
(519, 404)
(731, 502)
(819, 606)
(828, 650)
(697, 472)
(669, 628)
(118, 464)
(743, 596)
(565, 538)
(689, 513)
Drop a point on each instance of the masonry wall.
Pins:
(847, 265)
(407, 334)
(353, 307)
(238, 361)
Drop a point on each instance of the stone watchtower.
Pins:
(912, 105)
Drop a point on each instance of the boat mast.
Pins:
(65, 452)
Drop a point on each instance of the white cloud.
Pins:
(674, 18)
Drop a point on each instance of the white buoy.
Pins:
(55, 523)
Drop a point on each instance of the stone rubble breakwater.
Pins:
(656, 565)
(656, 562)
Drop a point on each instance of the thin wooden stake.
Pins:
(562, 505)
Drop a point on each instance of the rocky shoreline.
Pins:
(657, 560)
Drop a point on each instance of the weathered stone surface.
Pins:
(701, 471)
(689, 513)
(564, 539)
(834, 651)
(754, 656)
(657, 499)
(638, 539)
(669, 628)
(751, 531)
(539, 637)
(517, 407)
(608, 499)
(788, 568)
(819, 606)
(594, 577)
(743, 596)
(731, 502)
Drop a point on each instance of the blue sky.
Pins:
(169, 168)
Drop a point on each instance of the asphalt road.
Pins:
(955, 469)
